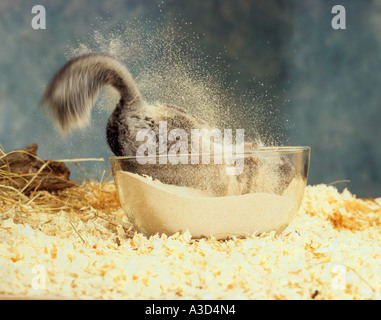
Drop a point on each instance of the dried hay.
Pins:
(89, 250)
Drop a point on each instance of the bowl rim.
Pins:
(263, 151)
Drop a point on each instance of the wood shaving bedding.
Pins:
(79, 244)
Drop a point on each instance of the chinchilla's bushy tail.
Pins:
(73, 90)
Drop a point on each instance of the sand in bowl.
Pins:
(155, 207)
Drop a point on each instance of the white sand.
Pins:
(154, 207)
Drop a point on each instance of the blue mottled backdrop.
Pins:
(322, 86)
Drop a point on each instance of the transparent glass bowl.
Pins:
(259, 192)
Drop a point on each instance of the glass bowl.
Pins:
(240, 194)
